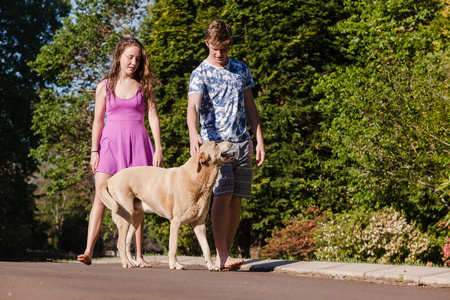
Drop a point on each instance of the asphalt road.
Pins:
(110, 281)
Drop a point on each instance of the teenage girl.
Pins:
(125, 95)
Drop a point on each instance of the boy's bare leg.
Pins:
(95, 221)
(234, 219)
(138, 238)
(225, 220)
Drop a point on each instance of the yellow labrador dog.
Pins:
(181, 195)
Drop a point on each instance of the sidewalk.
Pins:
(429, 276)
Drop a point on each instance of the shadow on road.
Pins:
(265, 266)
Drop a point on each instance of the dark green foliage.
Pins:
(285, 44)
(63, 123)
(385, 114)
(24, 28)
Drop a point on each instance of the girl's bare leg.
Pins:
(138, 238)
(95, 221)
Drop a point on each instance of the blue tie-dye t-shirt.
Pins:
(222, 110)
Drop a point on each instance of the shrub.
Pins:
(296, 240)
(384, 236)
(445, 241)
(446, 253)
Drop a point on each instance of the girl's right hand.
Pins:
(94, 161)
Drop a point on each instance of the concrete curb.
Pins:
(429, 276)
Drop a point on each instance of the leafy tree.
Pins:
(385, 113)
(24, 27)
(285, 43)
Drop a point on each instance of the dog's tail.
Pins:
(106, 198)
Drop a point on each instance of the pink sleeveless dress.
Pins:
(124, 141)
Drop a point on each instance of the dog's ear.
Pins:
(202, 158)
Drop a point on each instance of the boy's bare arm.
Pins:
(252, 115)
(193, 112)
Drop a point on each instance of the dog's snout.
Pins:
(227, 154)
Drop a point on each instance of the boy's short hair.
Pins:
(219, 34)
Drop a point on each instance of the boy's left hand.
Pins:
(260, 154)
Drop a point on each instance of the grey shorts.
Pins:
(235, 177)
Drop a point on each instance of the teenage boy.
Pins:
(220, 97)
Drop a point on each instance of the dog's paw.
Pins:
(135, 263)
(212, 267)
(127, 265)
(176, 266)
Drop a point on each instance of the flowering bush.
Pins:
(296, 240)
(446, 253)
(383, 236)
(445, 244)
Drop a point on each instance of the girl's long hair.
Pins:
(143, 74)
